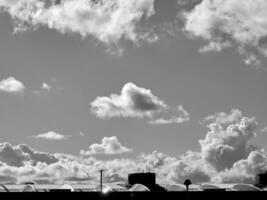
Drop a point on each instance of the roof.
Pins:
(121, 187)
(139, 187)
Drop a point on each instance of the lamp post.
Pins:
(101, 180)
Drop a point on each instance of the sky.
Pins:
(147, 84)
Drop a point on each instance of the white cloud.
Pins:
(228, 139)
(245, 169)
(21, 154)
(75, 170)
(183, 116)
(47, 87)
(237, 23)
(53, 86)
(108, 21)
(109, 145)
(190, 166)
(133, 101)
(138, 102)
(51, 135)
(11, 85)
(225, 156)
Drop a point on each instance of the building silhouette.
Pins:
(261, 179)
(147, 179)
(142, 178)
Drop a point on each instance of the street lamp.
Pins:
(101, 180)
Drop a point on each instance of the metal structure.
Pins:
(101, 180)
(4, 187)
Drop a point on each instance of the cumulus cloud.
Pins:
(37, 156)
(225, 156)
(21, 154)
(190, 166)
(228, 139)
(230, 23)
(70, 169)
(109, 21)
(245, 169)
(135, 102)
(11, 85)
(109, 145)
(13, 156)
(51, 135)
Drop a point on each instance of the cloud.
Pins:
(133, 101)
(12, 156)
(47, 87)
(136, 102)
(109, 21)
(155, 160)
(230, 23)
(37, 156)
(11, 85)
(225, 156)
(183, 116)
(190, 166)
(21, 154)
(109, 145)
(70, 169)
(51, 135)
(245, 169)
(228, 139)
(7, 179)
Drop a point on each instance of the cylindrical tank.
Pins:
(142, 178)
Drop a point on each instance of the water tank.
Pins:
(142, 178)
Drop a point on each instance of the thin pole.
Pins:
(101, 180)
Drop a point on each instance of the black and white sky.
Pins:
(177, 87)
